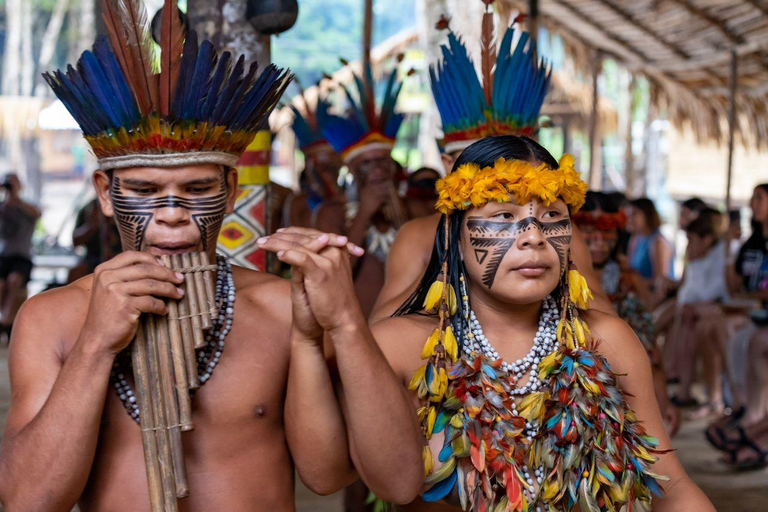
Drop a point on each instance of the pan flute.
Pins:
(165, 370)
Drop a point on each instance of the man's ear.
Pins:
(231, 189)
(102, 184)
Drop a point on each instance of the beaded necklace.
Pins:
(207, 358)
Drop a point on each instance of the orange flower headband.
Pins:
(472, 186)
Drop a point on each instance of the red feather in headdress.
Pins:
(130, 36)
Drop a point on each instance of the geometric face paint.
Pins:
(492, 239)
(133, 214)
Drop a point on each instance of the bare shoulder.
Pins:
(330, 216)
(402, 338)
(421, 229)
(263, 295)
(618, 343)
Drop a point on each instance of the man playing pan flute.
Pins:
(166, 144)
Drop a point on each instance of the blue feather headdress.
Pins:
(364, 128)
(306, 124)
(200, 108)
(508, 99)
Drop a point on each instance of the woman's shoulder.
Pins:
(402, 339)
(617, 342)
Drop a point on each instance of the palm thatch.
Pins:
(683, 48)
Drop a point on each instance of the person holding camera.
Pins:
(17, 224)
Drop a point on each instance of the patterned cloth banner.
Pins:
(248, 222)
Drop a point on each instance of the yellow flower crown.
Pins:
(470, 185)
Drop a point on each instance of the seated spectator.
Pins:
(703, 288)
(649, 253)
(742, 432)
(602, 221)
(98, 235)
(421, 193)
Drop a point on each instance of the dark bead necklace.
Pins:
(207, 357)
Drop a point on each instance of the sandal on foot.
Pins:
(752, 464)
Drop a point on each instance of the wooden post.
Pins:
(731, 126)
(629, 156)
(595, 163)
(533, 20)
(367, 33)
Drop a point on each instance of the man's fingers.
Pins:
(129, 258)
(151, 287)
(287, 241)
(147, 304)
(302, 260)
(144, 271)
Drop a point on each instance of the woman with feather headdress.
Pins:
(529, 399)
(503, 99)
(167, 144)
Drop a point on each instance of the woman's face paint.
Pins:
(138, 199)
(507, 237)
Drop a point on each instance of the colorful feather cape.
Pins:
(365, 125)
(504, 100)
(593, 450)
(200, 107)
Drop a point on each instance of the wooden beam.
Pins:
(595, 145)
(759, 6)
(732, 36)
(731, 127)
(626, 16)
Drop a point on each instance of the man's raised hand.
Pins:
(322, 277)
(125, 287)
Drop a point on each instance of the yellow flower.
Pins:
(579, 290)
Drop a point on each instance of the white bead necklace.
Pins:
(544, 343)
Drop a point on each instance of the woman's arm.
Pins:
(627, 358)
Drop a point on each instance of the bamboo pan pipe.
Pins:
(165, 370)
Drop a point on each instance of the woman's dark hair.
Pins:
(484, 153)
(757, 236)
(708, 223)
(600, 201)
(652, 218)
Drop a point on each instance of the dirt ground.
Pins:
(730, 492)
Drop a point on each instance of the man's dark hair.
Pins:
(652, 218)
(708, 223)
(694, 204)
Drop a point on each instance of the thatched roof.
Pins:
(683, 47)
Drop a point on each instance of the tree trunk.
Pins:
(239, 37)
(12, 56)
(205, 19)
(27, 58)
(48, 45)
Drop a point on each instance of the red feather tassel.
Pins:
(488, 55)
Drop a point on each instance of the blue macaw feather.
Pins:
(228, 90)
(90, 69)
(186, 70)
(204, 64)
(445, 453)
(223, 68)
(130, 114)
(441, 489)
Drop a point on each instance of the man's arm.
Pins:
(57, 400)
(627, 358)
(384, 437)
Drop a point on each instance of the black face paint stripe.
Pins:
(133, 214)
(498, 237)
